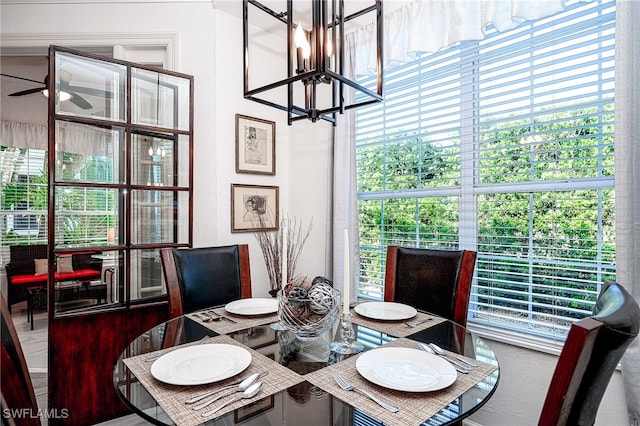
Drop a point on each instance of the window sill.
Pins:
(527, 341)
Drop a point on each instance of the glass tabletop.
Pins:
(303, 357)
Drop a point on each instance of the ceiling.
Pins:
(26, 109)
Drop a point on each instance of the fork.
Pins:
(218, 317)
(205, 317)
(348, 387)
(414, 324)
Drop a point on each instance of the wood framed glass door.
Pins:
(120, 188)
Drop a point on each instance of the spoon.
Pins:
(249, 393)
(241, 387)
(199, 397)
(437, 349)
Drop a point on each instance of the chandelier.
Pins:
(314, 85)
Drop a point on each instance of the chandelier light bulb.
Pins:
(301, 41)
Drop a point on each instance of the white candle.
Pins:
(284, 257)
(347, 280)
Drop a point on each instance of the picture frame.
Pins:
(253, 409)
(255, 145)
(254, 208)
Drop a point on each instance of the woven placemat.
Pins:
(171, 398)
(415, 407)
(396, 328)
(242, 322)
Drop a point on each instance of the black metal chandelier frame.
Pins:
(316, 70)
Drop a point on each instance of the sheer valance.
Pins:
(426, 26)
(23, 135)
(71, 138)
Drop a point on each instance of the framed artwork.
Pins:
(254, 208)
(253, 409)
(255, 145)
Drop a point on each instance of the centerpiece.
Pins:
(289, 238)
(308, 308)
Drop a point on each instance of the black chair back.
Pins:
(207, 276)
(437, 281)
(589, 357)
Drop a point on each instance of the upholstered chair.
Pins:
(199, 278)
(437, 281)
(589, 357)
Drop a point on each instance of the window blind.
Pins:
(504, 146)
(86, 214)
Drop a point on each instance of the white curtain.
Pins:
(426, 26)
(344, 214)
(627, 158)
(420, 26)
(23, 135)
(71, 138)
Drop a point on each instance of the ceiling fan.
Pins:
(73, 91)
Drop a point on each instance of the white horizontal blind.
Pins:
(504, 146)
(85, 215)
(23, 198)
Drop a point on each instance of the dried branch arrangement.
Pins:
(270, 243)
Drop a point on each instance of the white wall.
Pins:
(209, 47)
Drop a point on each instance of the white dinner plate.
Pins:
(253, 306)
(199, 364)
(390, 311)
(406, 369)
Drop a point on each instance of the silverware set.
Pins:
(206, 316)
(249, 386)
(459, 363)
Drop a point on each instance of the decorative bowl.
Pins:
(309, 317)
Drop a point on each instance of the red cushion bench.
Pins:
(21, 270)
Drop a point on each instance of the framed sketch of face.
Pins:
(254, 208)
(255, 145)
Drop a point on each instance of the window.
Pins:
(504, 146)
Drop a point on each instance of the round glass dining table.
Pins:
(303, 403)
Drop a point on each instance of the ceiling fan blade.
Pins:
(80, 101)
(87, 91)
(27, 92)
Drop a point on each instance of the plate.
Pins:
(253, 306)
(405, 369)
(199, 364)
(389, 311)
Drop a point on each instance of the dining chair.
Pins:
(437, 281)
(589, 357)
(17, 394)
(198, 278)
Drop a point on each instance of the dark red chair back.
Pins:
(18, 397)
(589, 357)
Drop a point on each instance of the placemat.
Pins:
(396, 328)
(171, 397)
(415, 407)
(242, 322)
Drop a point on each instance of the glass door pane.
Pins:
(87, 87)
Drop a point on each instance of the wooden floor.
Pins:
(34, 346)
